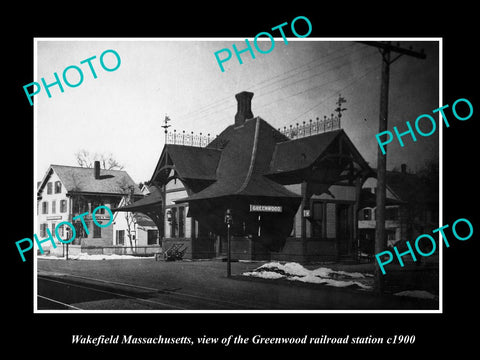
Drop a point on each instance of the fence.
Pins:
(74, 250)
(122, 250)
(307, 128)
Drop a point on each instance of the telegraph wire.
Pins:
(228, 99)
(336, 92)
(324, 71)
(338, 67)
(304, 65)
(291, 95)
(310, 76)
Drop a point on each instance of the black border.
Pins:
(434, 332)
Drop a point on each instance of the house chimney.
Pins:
(404, 168)
(244, 107)
(96, 169)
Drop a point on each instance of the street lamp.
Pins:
(228, 221)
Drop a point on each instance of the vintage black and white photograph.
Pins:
(263, 174)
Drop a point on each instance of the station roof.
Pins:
(150, 200)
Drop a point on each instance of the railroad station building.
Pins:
(293, 195)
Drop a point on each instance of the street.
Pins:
(146, 284)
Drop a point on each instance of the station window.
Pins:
(181, 221)
(317, 219)
(176, 221)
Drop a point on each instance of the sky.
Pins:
(121, 112)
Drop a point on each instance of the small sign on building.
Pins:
(98, 217)
(266, 208)
(57, 217)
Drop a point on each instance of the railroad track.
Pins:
(63, 291)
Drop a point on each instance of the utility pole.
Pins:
(385, 48)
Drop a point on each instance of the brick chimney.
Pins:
(404, 168)
(96, 169)
(244, 107)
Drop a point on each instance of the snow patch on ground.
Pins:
(85, 256)
(296, 272)
(422, 294)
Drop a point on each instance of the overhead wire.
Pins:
(308, 78)
(324, 71)
(228, 99)
(371, 69)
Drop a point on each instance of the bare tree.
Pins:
(83, 158)
(128, 190)
(107, 161)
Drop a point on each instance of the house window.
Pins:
(80, 230)
(152, 236)
(44, 207)
(96, 204)
(61, 231)
(43, 230)
(80, 205)
(120, 236)
(97, 232)
(391, 213)
(49, 188)
(391, 235)
(63, 206)
(367, 214)
(54, 206)
(58, 187)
